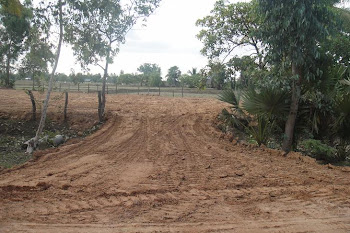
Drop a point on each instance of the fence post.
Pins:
(65, 107)
(68, 86)
(97, 87)
(159, 90)
(100, 115)
(138, 90)
(60, 86)
(78, 88)
(88, 87)
(173, 93)
(107, 89)
(30, 93)
(116, 87)
(182, 91)
(148, 89)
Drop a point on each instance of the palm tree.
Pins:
(192, 72)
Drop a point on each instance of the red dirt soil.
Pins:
(159, 165)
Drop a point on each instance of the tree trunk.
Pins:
(65, 107)
(290, 124)
(103, 93)
(52, 75)
(8, 64)
(100, 116)
(33, 88)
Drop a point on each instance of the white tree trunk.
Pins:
(34, 141)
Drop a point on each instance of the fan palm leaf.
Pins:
(268, 102)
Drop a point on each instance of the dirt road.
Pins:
(159, 165)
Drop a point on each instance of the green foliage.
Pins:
(97, 28)
(13, 7)
(341, 125)
(231, 97)
(14, 31)
(218, 74)
(35, 62)
(293, 29)
(262, 131)
(229, 27)
(173, 75)
(128, 79)
(266, 102)
(193, 79)
(150, 74)
(320, 151)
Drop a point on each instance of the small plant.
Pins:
(320, 151)
(261, 132)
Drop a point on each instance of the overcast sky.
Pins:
(169, 39)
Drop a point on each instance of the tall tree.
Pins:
(52, 12)
(14, 31)
(150, 74)
(98, 29)
(293, 31)
(231, 29)
(173, 75)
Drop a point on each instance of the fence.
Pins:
(121, 89)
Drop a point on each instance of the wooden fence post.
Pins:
(65, 107)
(30, 93)
(107, 89)
(88, 87)
(100, 116)
(60, 86)
(159, 90)
(182, 91)
(138, 90)
(78, 88)
(173, 93)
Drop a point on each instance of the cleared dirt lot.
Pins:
(159, 164)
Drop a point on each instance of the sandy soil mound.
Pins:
(159, 164)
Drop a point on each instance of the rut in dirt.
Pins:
(162, 161)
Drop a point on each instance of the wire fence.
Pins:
(120, 89)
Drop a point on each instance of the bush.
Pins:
(261, 132)
(320, 151)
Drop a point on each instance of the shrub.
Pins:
(320, 151)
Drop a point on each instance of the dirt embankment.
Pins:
(158, 164)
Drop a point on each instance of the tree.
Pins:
(217, 73)
(52, 12)
(292, 31)
(193, 79)
(35, 62)
(173, 75)
(150, 74)
(12, 6)
(128, 79)
(232, 27)
(14, 31)
(99, 27)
